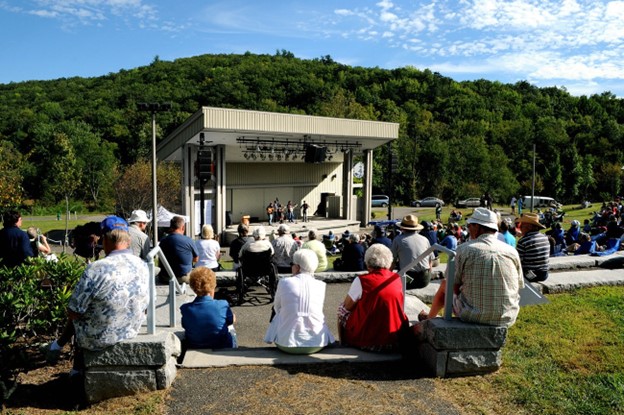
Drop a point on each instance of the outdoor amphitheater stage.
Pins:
(321, 225)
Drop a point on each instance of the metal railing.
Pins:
(450, 276)
(174, 288)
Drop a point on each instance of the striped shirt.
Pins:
(534, 251)
(489, 276)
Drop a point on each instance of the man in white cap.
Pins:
(285, 248)
(488, 276)
(140, 243)
(258, 244)
(407, 247)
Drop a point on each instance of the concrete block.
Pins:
(105, 384)
(166, 374)
(471, 362)
(457, 335)
(434, 360)
(143, 350)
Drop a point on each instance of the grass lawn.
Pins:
(561, 358)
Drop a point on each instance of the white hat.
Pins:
(484, 217)
(138, 216)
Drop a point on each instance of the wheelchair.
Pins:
(256, 269)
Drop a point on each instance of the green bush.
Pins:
(33, 304)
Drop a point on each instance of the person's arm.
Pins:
(43, 245)
(348, 303)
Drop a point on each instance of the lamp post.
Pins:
(154, 107)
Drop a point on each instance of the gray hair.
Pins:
(259, 233)
(378, 256)
(306, 259)
(354, 237)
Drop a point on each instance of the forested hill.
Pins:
(457, 139)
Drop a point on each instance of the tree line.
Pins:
(77, 137)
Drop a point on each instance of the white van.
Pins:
(539, 202)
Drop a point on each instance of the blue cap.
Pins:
(112, 223)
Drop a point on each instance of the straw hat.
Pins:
(531, 219)
(410, 223)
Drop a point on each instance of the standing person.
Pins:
(208, 323)
(140, 243)
(209, 249)
(285, 248)
(438, 212)
(304, 211)
(269, 211)
(520, 205)
(179, 250)
(109, 301)
(319, 249)
(290, 212)
(488, 277)
(512, 205)
(372, 314)
(408, 246)
(298, 326)
(238, 243)
(14, 243)
(533, 248)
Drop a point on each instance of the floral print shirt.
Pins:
(111, 298)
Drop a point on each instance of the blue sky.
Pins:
(576, 44)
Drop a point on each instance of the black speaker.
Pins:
(315, 154)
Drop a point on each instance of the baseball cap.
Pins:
(112, 223)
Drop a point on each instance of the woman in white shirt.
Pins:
(298, 326)
(209, 249)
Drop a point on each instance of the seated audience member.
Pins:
(208, 323)
(558, 238)
(372, 315)
(450, 240)
(488, 277)
(209, 249)
(258, 244)
(140, 244)
(329, 241)
(572, 235)
(318, 248)
(352, 255)
(408, 246)
(180, 251)
(298, 326)
(39, 244)
(15, 246)
(109, 300)
(238, 243)
(285, 247)
(379, 237)
(533, 248)
(504, 233)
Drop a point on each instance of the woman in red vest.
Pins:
(372, 315)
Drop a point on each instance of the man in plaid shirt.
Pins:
(488, 276)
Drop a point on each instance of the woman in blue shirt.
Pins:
(208, 323)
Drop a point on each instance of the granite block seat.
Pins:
(145, 363)
(454, 348)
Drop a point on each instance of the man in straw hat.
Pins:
(533, 248)
(488, 276)
(407, 247)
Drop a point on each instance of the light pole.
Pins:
(154, 107)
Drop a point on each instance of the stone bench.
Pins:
(145, 363)
(454, 348)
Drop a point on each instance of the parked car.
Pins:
(470, 202)
(380, 201)
(428, 202)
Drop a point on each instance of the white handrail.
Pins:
(174, 288)
(450, 276)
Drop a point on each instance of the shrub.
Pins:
(33, 303)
